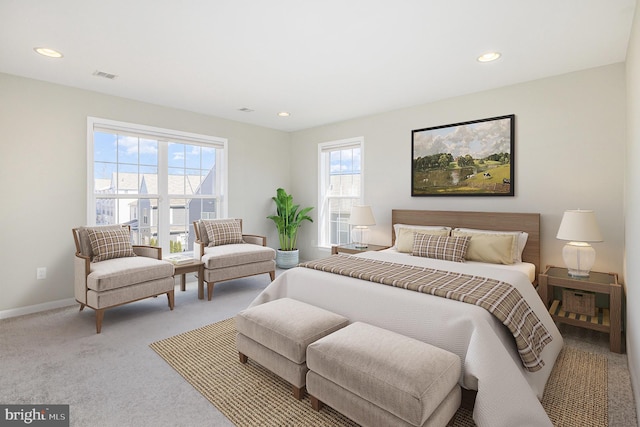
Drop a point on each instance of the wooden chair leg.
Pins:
(209, 290)
(243, 357)
(171, 298)
(315, 403)
(272, 274)
(82, 306)
(99, 317)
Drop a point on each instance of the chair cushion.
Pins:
(223, 231)
(404, 376)
(288, 326)
(119, 272)
(236, 254)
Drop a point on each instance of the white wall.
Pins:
(43, 130)
(569, 151)
(632, 200)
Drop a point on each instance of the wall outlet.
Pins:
(41, 273)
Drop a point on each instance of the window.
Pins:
(340, 187)
(158, 181)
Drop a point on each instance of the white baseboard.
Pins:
(13, 312)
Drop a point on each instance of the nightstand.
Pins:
(607, 320)
(351, 249)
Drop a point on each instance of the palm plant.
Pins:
(288, 219)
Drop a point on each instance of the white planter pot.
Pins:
(287, 259)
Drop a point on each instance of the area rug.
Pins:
(249, 395)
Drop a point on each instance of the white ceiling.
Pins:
(323, 61)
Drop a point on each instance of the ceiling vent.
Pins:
(105, 75)
(245, 110)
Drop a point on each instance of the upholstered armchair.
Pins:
(109, 271)
(228, 254)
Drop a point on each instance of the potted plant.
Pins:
(288, 219)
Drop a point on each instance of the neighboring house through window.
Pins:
(340, 187)
(156, 180)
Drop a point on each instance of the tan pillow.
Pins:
(521, 238)
(491, 248)
(441, 247)
(108, 243)
(223, 231)
(404, 238)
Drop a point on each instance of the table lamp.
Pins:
(361, 217)
(579, 227)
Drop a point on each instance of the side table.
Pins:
(606, 320)
(190, 267)
(352, 249)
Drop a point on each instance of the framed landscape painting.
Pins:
(464, 159)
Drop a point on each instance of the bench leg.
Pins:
(315, 403)
(298, 392)
(243, 357)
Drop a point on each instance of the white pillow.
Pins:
(517, 249)
(397, 227)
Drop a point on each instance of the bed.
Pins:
(507, 393)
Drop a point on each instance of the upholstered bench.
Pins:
(276, 335)
(377, 377)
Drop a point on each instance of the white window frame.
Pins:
(164, 136)
(324, 218)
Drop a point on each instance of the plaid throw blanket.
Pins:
(499, 298)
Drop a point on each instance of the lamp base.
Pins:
(359, 236)
(579, 257)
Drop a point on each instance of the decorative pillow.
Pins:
(441, 247)
(223, 231)
(521, 239)
(404, 238)
(491, 248)
(398, 227)
(108, 243)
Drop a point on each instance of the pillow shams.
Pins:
(491, 248)
(435, 228)
(108, 243)
(223, 231)
(404, 238)
(521, 239)
(441, 247)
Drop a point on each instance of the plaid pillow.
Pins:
(440, 247)
(109, 243)
(223, 231)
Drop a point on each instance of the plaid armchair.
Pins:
(228, 254)
(109, 271)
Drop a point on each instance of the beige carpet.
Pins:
(249, 395)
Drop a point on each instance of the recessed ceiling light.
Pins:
(489, 56)
(284, 114)
(45, 51)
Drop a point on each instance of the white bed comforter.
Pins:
(508, 395)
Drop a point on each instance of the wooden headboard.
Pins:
(502, 221)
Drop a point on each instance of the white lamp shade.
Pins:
(361, 216)
(579, 226)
